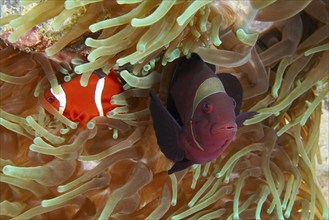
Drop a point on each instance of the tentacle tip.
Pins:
(287, 215)
(91, 125)
(93, 28)
(91, 58)
(77, 70)
(45, 203)
(121, 62)
(180, 21)
(136, 22)
(60, 189)
(217, 42)
(88, 41)
(32, 147)
(141, 48)
(275, 94)
(74, 125)
(218, 175)
(12, 38)
(6, 169)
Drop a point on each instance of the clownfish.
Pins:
(81, 104)
(202, 114)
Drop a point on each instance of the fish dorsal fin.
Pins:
(212, 67)
(183, 65)
(233, 89)
(197, 58)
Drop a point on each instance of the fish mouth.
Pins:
(226, 129)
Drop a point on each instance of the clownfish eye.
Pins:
(207, 107)
(234, 103)
(51, 99)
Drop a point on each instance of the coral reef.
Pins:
(113, 169)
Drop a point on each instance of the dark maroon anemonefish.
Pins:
(202, 114)
(81, 104)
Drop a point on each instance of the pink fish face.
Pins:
(212, 127)
(202, 114)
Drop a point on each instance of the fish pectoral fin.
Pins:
(181, 165)
(81, 117)
(244, 116)
(171, 107)
(166, 130)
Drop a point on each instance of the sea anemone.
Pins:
(113, 168)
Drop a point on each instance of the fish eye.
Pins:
(234, 103)
(51, 99)
(207, 107)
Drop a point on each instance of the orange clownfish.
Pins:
(81, 104)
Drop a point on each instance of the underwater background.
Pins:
(275, 168)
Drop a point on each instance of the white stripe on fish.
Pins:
(98, 96)
(61, 97)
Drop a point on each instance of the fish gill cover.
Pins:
(113, 169)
